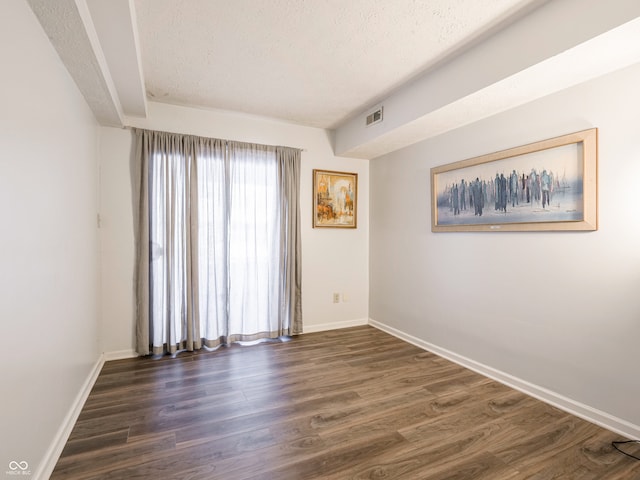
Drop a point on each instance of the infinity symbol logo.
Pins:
(13, 465)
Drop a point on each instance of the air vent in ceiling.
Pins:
(374, 117)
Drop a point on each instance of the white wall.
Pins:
(334, 260)
(560, 312)
(49, 244)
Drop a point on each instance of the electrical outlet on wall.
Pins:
(336, 298)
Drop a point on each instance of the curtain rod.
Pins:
(129, 127)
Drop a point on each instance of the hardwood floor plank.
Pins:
(311, 440)
(434, 458)
(594, 459)
(221, 426)
(538, 445)
(483, 466)
(350, 404)
(104, 440)
(174, 463)
(332, 461)
(347, 416)
(131, 454)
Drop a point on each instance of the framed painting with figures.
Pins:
(549, 185)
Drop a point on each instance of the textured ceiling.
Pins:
(436, 65)
(313, 62)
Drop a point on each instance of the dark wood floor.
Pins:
(347, 404)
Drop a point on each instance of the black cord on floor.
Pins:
(615, 445)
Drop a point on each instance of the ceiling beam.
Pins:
(115, 24)
(554, 47)
(98, 44)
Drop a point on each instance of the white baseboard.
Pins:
(323, 327)
(45, 469)
(568, 405)
(119, 355)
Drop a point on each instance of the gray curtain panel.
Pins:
(218, 250)
(291, 247)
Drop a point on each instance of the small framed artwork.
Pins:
(335, 199)
(544, 186)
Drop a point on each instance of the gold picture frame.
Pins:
(551, 185)
(335, 199)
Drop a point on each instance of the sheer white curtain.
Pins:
(218, 241)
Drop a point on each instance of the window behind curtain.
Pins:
(215, 243)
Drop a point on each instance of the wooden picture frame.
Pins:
(549, 185)
(335, 199)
